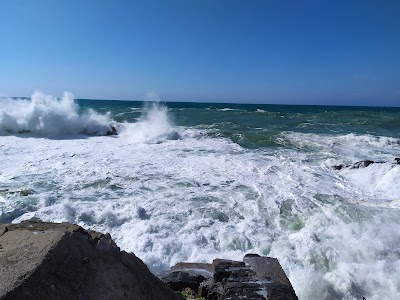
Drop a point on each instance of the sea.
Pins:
(197, 181)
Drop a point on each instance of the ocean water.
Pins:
(192, 182)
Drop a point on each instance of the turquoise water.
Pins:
(259, 125)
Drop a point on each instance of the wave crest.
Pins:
(46, 115)
(154, 126)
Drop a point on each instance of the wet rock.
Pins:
(174, 136)
(112, 131)
(22, 192)
(223, 268)
(63, 261)
(362, 164)
(26, 192)
(338, 167)
(179, 281)
(256, 278)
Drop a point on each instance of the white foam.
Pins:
(199, 197)
(154, 126)
(48, 116)
(378, 183)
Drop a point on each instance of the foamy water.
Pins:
(174, 193)
(47, 116)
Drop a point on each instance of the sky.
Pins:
(287, 52)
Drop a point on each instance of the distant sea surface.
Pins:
(196, 181)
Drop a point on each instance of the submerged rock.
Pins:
(254, 278)
(22, 192)
(363, 164)
(63, 261)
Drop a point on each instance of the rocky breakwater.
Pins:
(254, 278)
(63, 261)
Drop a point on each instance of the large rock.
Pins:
(255, 278)
(63, 261)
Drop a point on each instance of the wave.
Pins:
(350, 147)
(45, 115)
(154, 126)
(351, 138)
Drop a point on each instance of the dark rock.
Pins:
(397, 160)
(174, 136)
(200, 272)
(63, 261)
(249, 255)
(223, 268)
(362, 164)
(23, 192)
(112, 131)
(338, 167)
(178, 281)
(267, 267)
(26, 192)
(256, 278)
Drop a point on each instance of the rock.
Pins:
(63, 261)
(397, 160)
(256, 278)
(362, 164)
(187, 275)
(223, 268)
(179, 281)
(267, 267)
(22, 192)
(338, 167)
(196, 268)
(26, 192)
(112, 131)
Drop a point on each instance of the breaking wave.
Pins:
(154, 126)
(45, 115)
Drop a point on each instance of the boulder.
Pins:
(112, 131)
(179, 280)
(187, 275)
(63, 261)
(254, 278)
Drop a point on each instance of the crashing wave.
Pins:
(46, 115)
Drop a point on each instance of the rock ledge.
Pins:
(63, 261)
(254, 278)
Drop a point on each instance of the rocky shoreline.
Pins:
(40, 260)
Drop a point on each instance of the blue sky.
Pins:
(297, 52)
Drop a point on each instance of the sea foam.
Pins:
(204, 196)
(154, 126)
(46, 115)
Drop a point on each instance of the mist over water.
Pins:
(192, 182)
